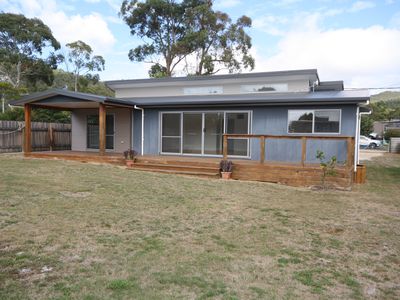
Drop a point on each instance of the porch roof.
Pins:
(64, 99)
(296, 98)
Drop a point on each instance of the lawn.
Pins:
(81, 231)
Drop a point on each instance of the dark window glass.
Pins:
(300, 121)
(327, 121)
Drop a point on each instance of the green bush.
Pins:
(392, 133)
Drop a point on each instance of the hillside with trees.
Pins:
(385, 107)
(30, 61)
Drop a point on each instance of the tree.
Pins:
(8, 92)
(219, 42)
(80, 56)
(160, 24)
(172, 32)
(22, 43)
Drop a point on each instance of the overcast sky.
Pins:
(356, 41)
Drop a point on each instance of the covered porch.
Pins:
(95, 119)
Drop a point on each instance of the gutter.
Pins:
(142, 140)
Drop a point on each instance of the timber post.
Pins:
(28, 129)
(102, 129)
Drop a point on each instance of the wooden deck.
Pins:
(294, 174)
(81, 156)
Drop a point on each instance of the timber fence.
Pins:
(45, 136)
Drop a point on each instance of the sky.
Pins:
(350, 40)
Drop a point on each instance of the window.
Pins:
(237, 123)
(203, 90)
(201, 132)
(171, 133)
(92, 138)
(314, 121)
(264, 88)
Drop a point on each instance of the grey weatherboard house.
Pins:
(188, 116)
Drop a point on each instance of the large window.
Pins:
(264, 88)
(314, 121)
(203, 90)
(201, 133)
(92, 138)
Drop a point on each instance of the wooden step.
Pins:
(177, 167)
(179, 172)
(172, 161)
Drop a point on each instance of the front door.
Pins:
(93, 132)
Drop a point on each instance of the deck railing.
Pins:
(263, 137)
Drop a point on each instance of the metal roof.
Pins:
(328, 97)
(73, 96)
(169, 80)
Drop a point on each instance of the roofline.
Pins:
(109, 83)
(32, 98)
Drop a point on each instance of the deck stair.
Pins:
(184, 167)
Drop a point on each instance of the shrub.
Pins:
(392, 133)
(226, 165)
(130, 154)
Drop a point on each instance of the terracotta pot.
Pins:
(226, 175)
(129, 162)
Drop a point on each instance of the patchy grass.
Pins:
(83, 231)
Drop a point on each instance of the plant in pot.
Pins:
(226, 167)
(130, 157)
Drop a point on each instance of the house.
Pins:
(380, 127)
(254, 118)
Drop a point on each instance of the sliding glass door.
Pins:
(213, 131)
(201, 133)
(192, 133)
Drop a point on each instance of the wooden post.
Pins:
(303, 150)
(350, 150)
(225, 147)
(262, 149)
(102, 129)
(50, 137)
(28, 129)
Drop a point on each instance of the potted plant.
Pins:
(226, 167)
(130, 157)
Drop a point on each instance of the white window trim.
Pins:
(313, 122)
(224, 112)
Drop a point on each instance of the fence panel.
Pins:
(45, 136)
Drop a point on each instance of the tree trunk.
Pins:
(76, 83)
(18, 74)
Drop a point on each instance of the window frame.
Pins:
(224, 112)
(243, 88)
(313, 122)
(218, 88)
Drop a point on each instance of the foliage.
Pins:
(22, 44)
(392, 133)
(219, 42)
(86, 84)
(366, 125)
(82, 60)
(388, 109)
(386, 96)
(160, 24)
(328, 167)
(130, 154)
(9, 92)
(38, 115)
(173, 31)
(226, 165)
